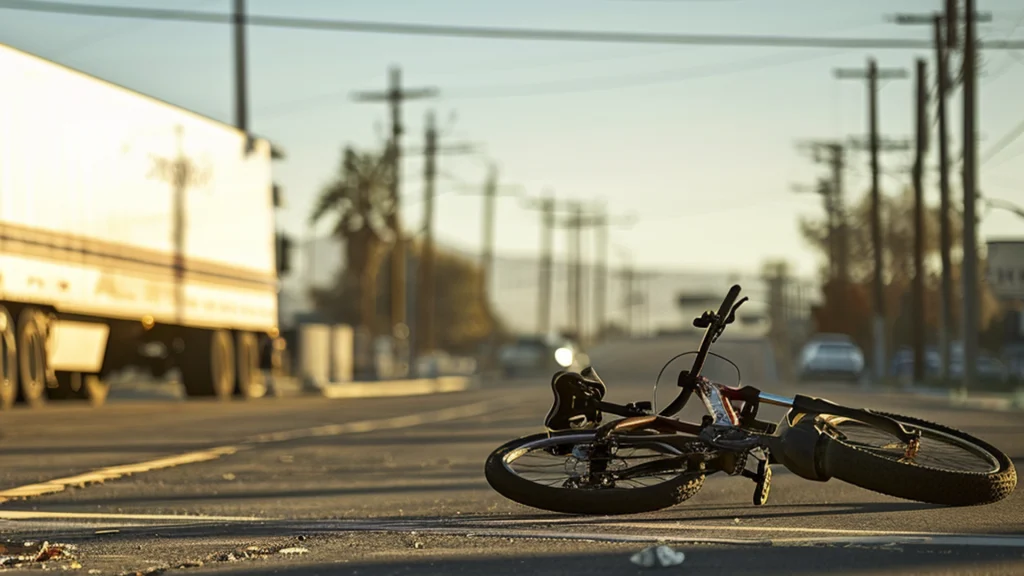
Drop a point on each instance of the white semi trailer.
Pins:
(132, 233)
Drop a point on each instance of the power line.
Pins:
(485, 32)
(563, 87)
(637, 80)
(1003, 142)
(99, 36)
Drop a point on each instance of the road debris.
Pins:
(19, 554)
(106, 532)
(658, 557)
(236, 555)
(229, 476)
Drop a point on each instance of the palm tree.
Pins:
(360, 199)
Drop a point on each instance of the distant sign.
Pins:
(1006, 268)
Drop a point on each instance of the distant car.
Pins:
(902, 365)
(540, 355)
(989, 367)
(830, 337)
(831, 358)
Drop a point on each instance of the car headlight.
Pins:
(563, 356)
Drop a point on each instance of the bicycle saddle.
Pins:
(576, 398)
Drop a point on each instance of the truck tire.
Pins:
(31, 346)
(251, 381)
(209, 365)
(9, 358)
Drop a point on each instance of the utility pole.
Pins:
(946, 35)
(836, 164)
(487, 257)
(547, 243)
(491, 191)
(577, 220)
(546, 205)
(394, 96)
(945, 233)
(425, 301)
(601, 223)
(487, 251)
(873, 74)
(832, 153)
(600, 274)
(575, 263)
(919, 226)
(627, 277)
(241, 76)
(824, 189)
(970, 182)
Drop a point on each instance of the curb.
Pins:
(1001, 403)
(1008, 402)
(291, 387)
(393, 388)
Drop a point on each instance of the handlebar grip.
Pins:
(730, 300)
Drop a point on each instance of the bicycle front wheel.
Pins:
(566, 472)
(950, 467)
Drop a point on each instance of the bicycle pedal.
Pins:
(763, 484)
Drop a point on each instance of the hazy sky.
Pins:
(698, 142)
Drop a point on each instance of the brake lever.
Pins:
(732, 313)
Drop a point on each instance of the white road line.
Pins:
(732, 528)
(896, 539)
(363, 426)
(691, 534)
(35, 515)
(879, 538)
(418, 387)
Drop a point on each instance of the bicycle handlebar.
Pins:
(729, 302)
(715, 325)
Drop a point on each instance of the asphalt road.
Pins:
(302, 486)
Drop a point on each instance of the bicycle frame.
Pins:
(722, 420)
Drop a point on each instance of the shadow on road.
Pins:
(703, 560)
(248, 494)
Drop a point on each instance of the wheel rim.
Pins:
(585, 466)
(938, 450)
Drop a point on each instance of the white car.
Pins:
(541, 355)
(831, 359)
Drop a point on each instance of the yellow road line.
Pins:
(114, 472)
(36, 515)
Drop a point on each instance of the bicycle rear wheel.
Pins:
(951, 467)
(565, 472)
